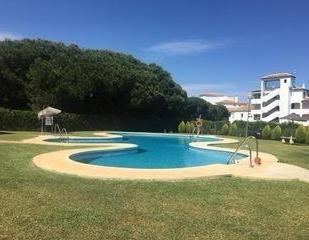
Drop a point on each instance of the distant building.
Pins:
(237, 110)
(277, 98)
(275, 101)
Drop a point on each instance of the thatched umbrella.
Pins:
(47, 112)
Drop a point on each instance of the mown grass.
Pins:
(296, 154)
(17, 136)
(37, 204)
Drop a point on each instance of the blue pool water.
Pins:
(156, 152)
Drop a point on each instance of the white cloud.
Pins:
(199, 88)
(9, 35)
(185, 47)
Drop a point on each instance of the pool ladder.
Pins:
(63, 134)
(247, 141)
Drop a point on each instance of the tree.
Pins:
(300, 134)
(189, 127)
(276, 133)
(34, 73)
(266, 132)
(307, 136)
(233, 130)
(182, 127)
(225, 129)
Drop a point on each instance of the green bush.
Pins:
(19, 120)
(225, 129)
(276, 133)
(266, 133)
(192, 127)
(300, 134)
(182, 127)
(233, 130)
(189, 127)
(307, 136)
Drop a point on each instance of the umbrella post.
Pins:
(42, 122)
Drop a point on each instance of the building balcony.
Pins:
(256, 101)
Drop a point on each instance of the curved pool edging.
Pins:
(43, 139)
(60, 162)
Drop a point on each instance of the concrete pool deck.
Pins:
(42, 140)
(60, 162)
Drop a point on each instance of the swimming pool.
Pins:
(156, 152)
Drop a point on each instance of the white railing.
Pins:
(270, 95)
(270, 106)
(271, 117)
(256, 101)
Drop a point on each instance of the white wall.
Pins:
(285, 96)
(235, 116)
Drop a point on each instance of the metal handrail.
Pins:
(64, 131)
(246, 140)
(56, 127)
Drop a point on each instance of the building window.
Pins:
(242, 115)
(257, 117)
(256, 106)
(284, 80)
(256, 95)
(306, 105)
(295, 105)
(272, 84)
(306, 116)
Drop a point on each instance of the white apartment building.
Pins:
(238, 110)
(277, 98)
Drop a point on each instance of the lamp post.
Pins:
(248, 113)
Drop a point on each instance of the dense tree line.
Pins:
(34, 73)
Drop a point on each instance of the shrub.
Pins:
(300, 134)
(266, 133)
(307, 136)
(182, 127)
(276, 133)
(233, 130)
(192, 127)
(225, 129)
(189, 127)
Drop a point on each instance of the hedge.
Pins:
(276, 133)
(182, 127)
(300, 134)
(254, 128)
(225, 129)
(266, 132)
(307, 136)
(18, 120)
(233, 129)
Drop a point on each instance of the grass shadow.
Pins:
(1, 133)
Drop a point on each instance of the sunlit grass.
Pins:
(296, 154)
(37, 204)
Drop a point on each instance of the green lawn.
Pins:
(35, 204)
(293, 154)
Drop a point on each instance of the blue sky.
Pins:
(217, 46)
